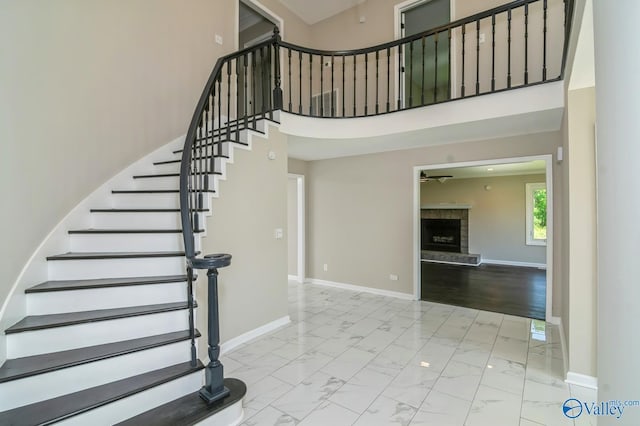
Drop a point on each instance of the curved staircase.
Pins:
(108, 336)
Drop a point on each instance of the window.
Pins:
(536, 214)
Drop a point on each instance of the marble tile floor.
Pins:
(350, 358)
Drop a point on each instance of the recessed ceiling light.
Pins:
(490, 169)
(424, 364)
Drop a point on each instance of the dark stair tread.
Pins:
(19, 368)
(172, 175)
(179, 160)
(188, 410)
(40, 322)
(63, 407)
(130, 231)
(143, 210)
(153, 191)
(114, 255)
(49, 286)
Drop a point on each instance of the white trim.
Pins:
(451, 263)
(233, 343)
(548, 158)
(292, 277)
(514, 263)
(582, 380)
(447, 206)
(302, 241)
(359, 288)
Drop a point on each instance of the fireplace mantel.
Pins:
(445, 206)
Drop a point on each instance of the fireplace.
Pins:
(441, 235)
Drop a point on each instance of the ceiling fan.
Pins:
(439, 178)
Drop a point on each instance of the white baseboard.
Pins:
(450, 263)
(582, 380)
(292, 277)
(231, 344)
(514, 263)
(352, 287)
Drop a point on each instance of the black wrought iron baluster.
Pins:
(493, 52)
(300, 82)
(246, 92)
(212, 145)
(544, 41)
(333, 108)
(435, 70)
(253, 89)
(463, 52)
(204, 166)
(423, 71)
(274, 75)
(310, 84)
(237, 120)
(354, 86)
(477, 57)
(509, 48)
(526, 43)
(290, 104)
(449, 65)
(192, 328)
(388, 79)
(377, 80)
(228, 100)
(410, 74)
(400, 73)
(321, 85)
(344, 60)
(366, 84)
(262, 83)
(218, 132)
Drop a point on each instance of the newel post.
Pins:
(277, 88)
(214, 388)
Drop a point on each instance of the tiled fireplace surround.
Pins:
(446, 213)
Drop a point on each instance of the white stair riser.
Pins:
(139, 220)
(94, 333)
(127, 242)
(50, 385)
(139, 403)
(146, 201)
(115, 268)
(230, 416)
(57, 302)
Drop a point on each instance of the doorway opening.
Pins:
(483, 235)
(296, 227)
(426, 65)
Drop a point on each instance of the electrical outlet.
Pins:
(481, 38)
(218, 39)
(393, 277)
(325, 267)
(278, 233)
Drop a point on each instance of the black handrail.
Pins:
(246, 86)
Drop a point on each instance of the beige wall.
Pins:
(582, 232)
(360, 209)
(253, 290)
(497, 219)
(87, 88)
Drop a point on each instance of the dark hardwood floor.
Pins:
(505, 289)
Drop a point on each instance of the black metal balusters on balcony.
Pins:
(453, 61)
(529, 40)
